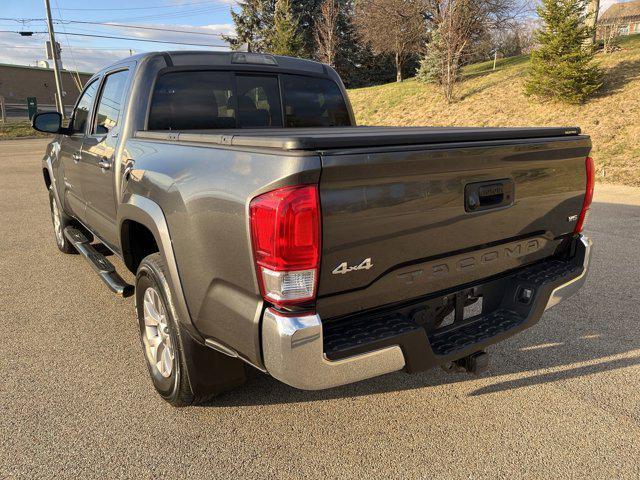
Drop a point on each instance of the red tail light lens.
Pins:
(285, 233)
(588, 197)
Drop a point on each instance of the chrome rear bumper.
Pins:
(293, 346)
(568, 289)
(293, 353)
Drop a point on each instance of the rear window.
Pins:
(216, 100)
(192, 101)
(258, 101)
(313, 102)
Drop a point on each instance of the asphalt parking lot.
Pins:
(560, 400)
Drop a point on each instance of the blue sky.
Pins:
(194, 17)
(87, 54)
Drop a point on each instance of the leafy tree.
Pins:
(284, 39)
(562, 67)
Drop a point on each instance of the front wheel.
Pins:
(60, 222)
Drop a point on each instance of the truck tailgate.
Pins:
(402, 222)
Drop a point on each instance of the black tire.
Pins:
(64, 245)
(174, 388)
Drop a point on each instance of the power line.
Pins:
(112, 24)
(137, 8)
(122, 25)
(38, 47)
(162, 15)
(126, 38)
(140, 39)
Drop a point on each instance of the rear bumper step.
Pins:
(306, 353)
(100, 264)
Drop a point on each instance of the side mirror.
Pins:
(48, 122)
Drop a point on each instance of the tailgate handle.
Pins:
(486, 195)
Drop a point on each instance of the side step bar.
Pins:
(103, 267)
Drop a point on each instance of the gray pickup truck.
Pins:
(264, 228)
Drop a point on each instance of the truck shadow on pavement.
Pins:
(597, 331)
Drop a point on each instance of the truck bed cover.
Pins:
(353, 137)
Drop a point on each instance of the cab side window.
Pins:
(110, 104)
(83, 109)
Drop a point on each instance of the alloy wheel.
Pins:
(156, 338)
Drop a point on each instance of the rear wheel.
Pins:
(160, 334)
(60, 222)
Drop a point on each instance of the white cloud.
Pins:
(84, 56)
(189, 34)
(29, 50)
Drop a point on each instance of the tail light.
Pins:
(285, 234)
(588, 196)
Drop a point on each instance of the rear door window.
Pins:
(313, 102)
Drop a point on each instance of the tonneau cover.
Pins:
(353, 137)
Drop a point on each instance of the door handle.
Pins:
(76, 157)
(486, 195)
(104, 164)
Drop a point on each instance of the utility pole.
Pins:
(56, 65)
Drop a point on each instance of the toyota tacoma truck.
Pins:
(265, 228)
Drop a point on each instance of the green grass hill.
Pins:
(495, 98)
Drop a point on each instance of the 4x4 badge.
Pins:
(343, 268)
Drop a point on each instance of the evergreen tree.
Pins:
(306, 12)
(431, 66)
(562, 67)
(284, 39)
(252, 23)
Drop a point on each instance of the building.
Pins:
(622, 18)
(18, 82)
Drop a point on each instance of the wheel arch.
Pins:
(50, 180)
(47, 178)
(144, 230)
(137, 241)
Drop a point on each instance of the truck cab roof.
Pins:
(261, 61)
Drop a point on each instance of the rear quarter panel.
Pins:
(204, 192)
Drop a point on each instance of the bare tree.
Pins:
(456, 26)
(392, 26)
(326, 32)
(609, 33)
(454, 35)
